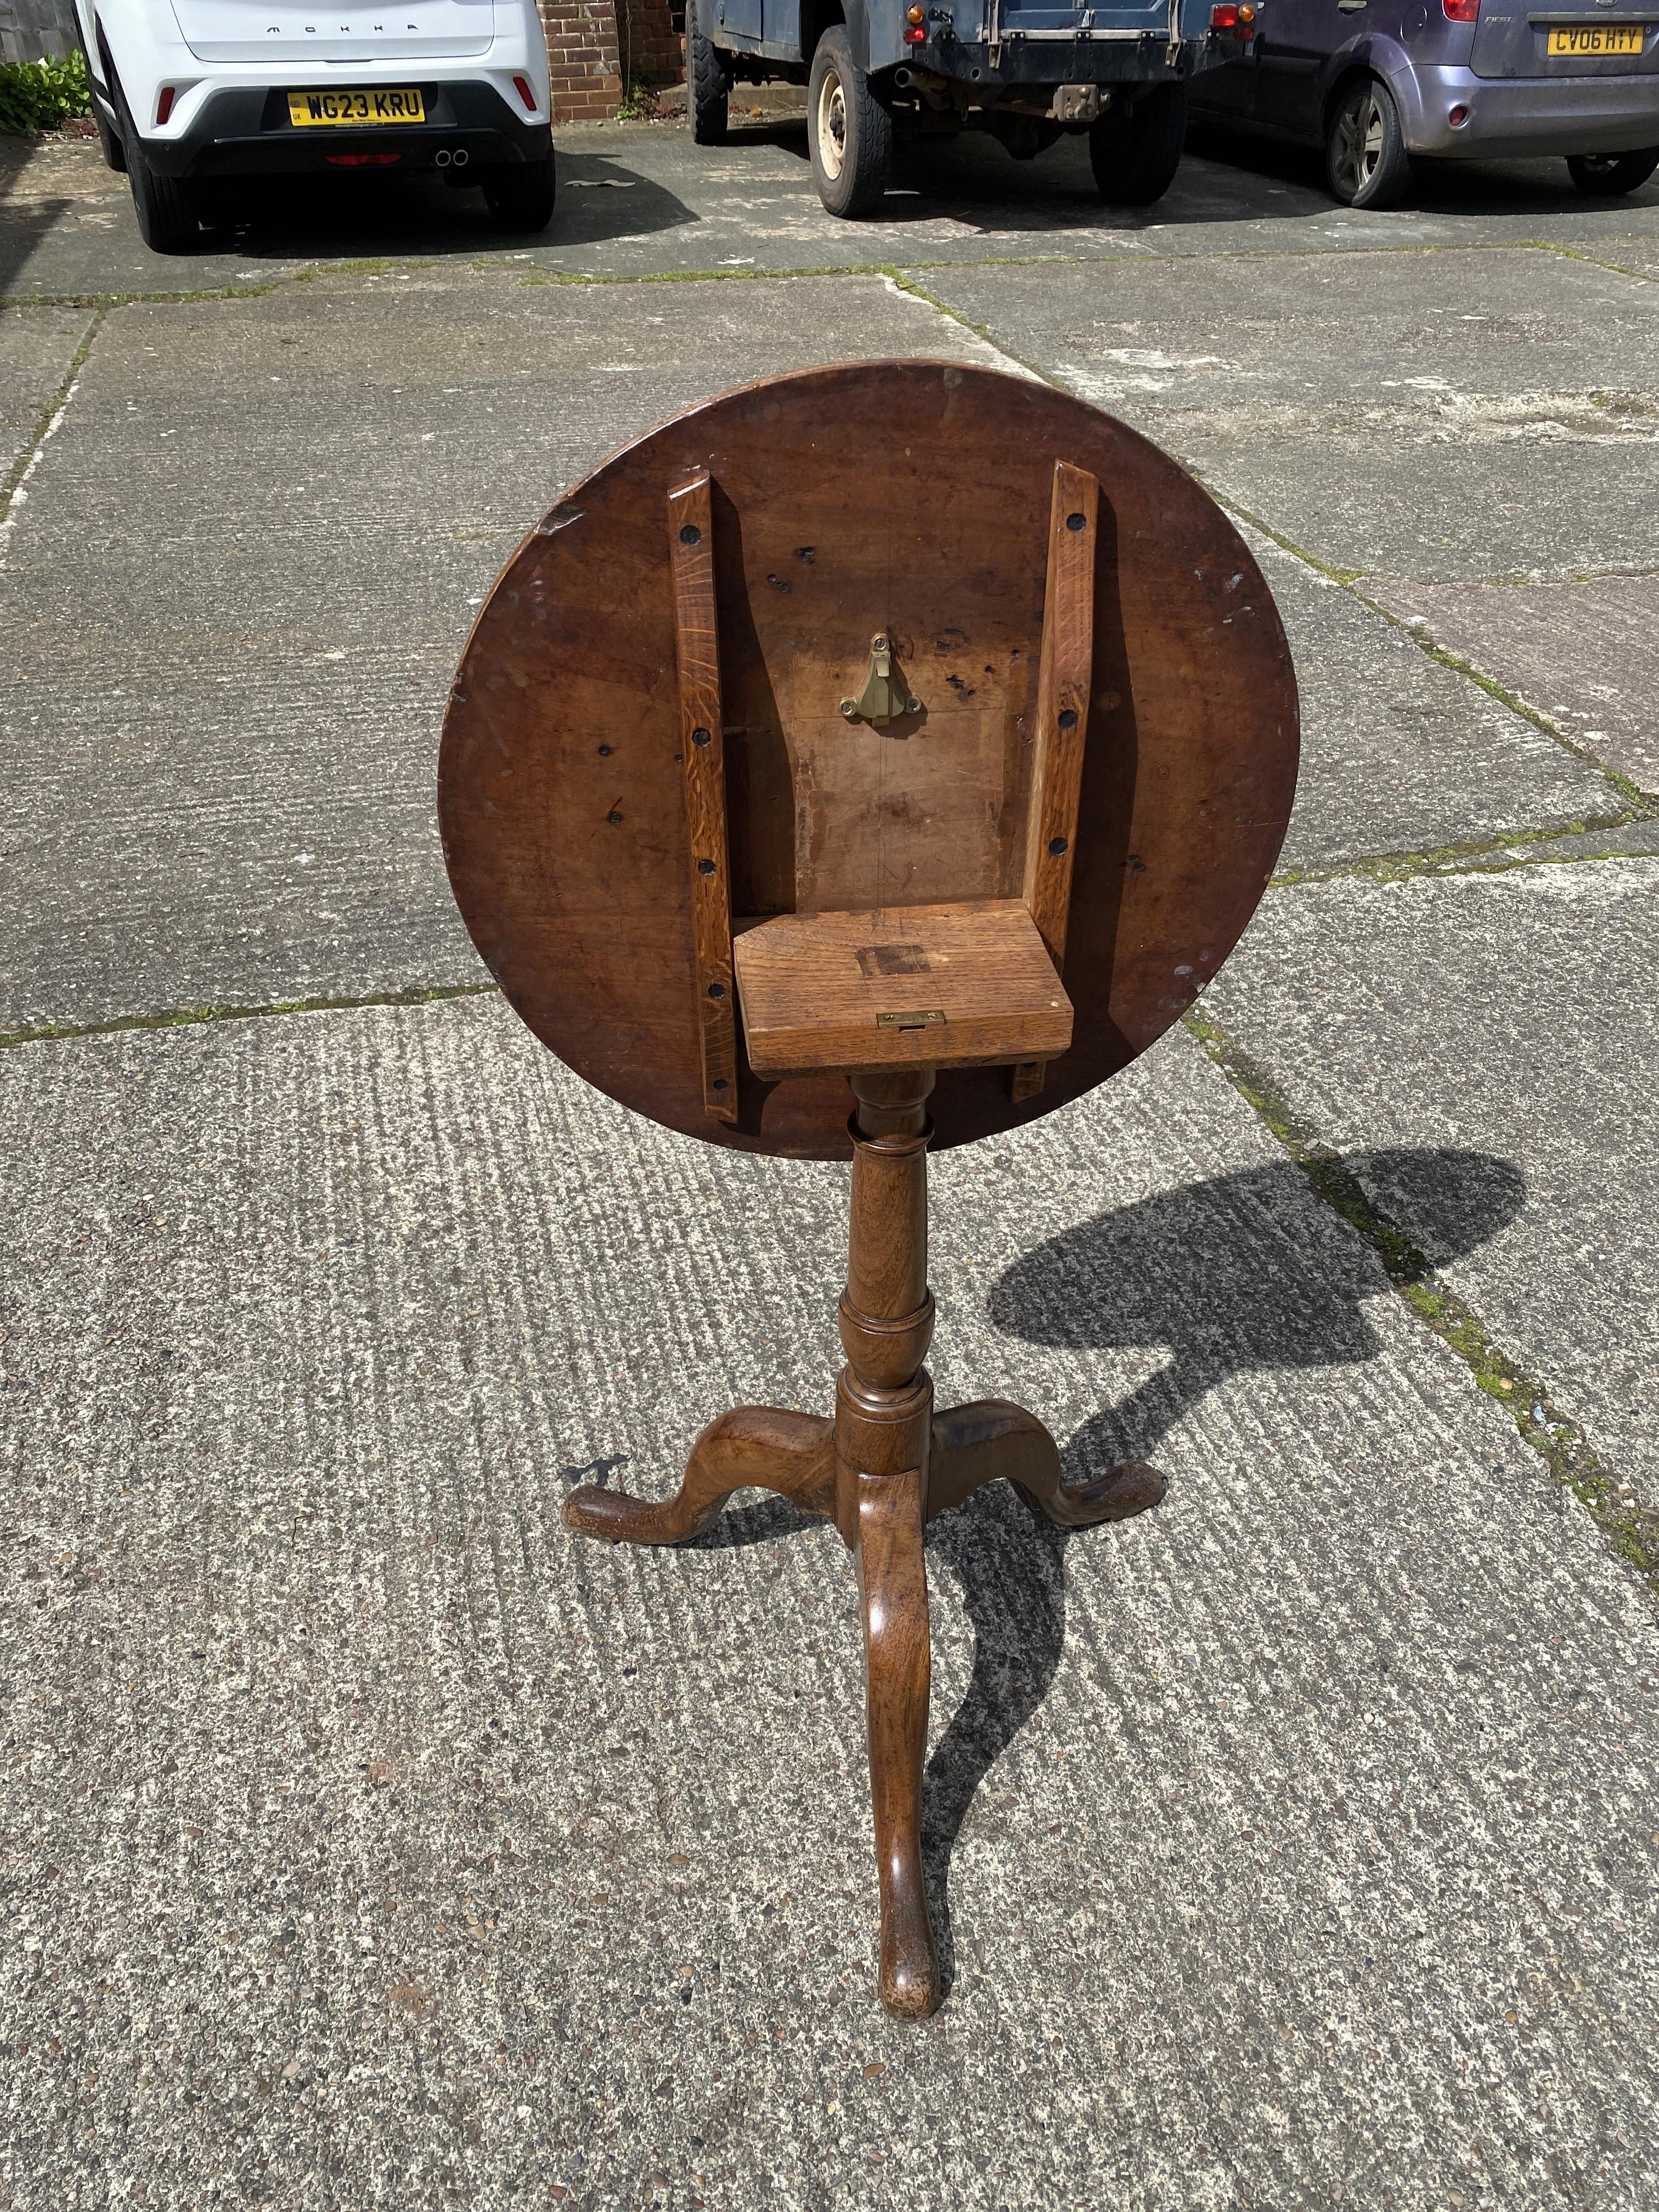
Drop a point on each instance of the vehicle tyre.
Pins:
(1134, 152)
(848, 131)
(1366, 164)
(708, 77)
(521, 196)
(1604, 176)
(109, 140)
(166, 207)
(115, 153)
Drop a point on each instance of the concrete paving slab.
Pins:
(1512, 1014)
(238, 593)
(37, 346)
(640, 198)
(1399, 754)
(376, 1843)
(1585, 655)
(1484, 413)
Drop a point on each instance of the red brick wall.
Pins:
(653, 50)
(595, 46)
(582, 67)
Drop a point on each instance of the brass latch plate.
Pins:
(886, 697)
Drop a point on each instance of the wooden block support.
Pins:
(967, 985)
(1064, 683)
(696, 638)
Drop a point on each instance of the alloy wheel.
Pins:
(1359, 132)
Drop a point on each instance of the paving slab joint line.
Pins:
(1582, 253)
(14, 489)
(508, 265)
(1637, 801)
(1630, 1527)
(14, 300)
(1469, 856)
(686, 275)
(417, 994)
(981, 331)
(900, 282)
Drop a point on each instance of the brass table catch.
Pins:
(885, 696)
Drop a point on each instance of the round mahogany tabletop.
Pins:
(910, 499)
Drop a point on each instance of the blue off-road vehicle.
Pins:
(1024, 69)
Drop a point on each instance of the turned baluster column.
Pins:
(884, 1419)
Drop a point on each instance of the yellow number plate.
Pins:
(1597, 38)
(306, 109)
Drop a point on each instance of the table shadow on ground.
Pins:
(1261, 1297)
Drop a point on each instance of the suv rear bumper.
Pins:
(1518, 118)
(1130, 57)
(243, 131)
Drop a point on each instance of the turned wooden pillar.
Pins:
(884, 1467)
(884, 1426)
(884, 1400)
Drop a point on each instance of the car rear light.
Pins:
(915, 36)
(164, 106)
(1461, 11)
(1232, 15)
(361, 160)
(1458, 116)
(521, 86)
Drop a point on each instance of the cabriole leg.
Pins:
(974, 1444)
(893, 1582)
(750, 1447)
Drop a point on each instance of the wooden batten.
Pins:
(1064, 683)
(697, 640)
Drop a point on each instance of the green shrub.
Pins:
(39, 95)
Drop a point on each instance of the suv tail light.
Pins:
(1461, 11)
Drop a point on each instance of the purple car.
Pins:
(1377, 83)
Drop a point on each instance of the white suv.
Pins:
(188, 93)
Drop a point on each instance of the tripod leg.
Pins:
(974, 1445)
(893, 1582)
(750, 1447)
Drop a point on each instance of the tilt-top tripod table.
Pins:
(906, 725)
